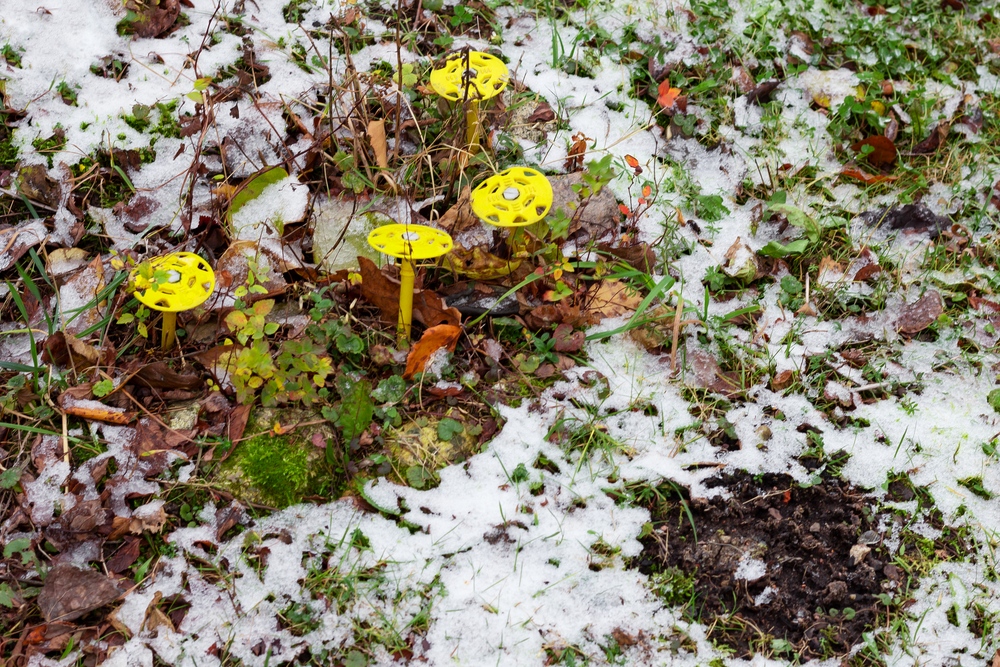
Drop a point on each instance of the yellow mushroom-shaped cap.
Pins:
(190, 281)
(514, 198)
(484, 74)
(410, 242)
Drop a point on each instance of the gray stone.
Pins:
(335, 248)
(601, 214)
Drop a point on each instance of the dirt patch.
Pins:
(774, 561)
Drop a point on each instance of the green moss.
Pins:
(167, 126)
(8, 154)
(281, 470)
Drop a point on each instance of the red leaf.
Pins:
(866, 178)
(883, 150)
(567, 340)
(668, 95)
(631, 161)
(646, 191)
(624, 209)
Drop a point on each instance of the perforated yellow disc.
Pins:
(410, 241)
(190, 282)
(485, 75)
(514, 198)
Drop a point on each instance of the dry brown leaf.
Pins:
(376, 136)
(577, 152)
(379, 289)
(443, 335)
(865, 273)
(227, 517)
(934, 140)
(232, 271)
(478, 264)
(155, 618)
(543, 113)
(883, 150)
(15, 241)
(160, 376)
(84, 286)
(832, 268)
(61, 261)
(866, 178)
(460, 217)
(544, 316)
(640, 256)
(148, 518)
(63, 349)
(70, 592)
(920, 314)
(708, 375)
(152, 17)
(783, 380)
(127, 554)
(612, 299)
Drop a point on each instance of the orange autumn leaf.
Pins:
(631, 161)
(646, 191)
(36, 635)
(443, 335)
(667, 95)
(97, 414)
(624, 209)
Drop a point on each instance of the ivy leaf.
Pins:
(776, 250)
(9, 478)
(103, 388)
(798, 218)
(419, 477)
(357, 409)
(16, 546)
(6, 596)
(449, 428)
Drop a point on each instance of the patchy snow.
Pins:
(495, 572)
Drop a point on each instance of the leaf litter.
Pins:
(871, 372)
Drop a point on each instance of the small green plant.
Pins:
(12, 55)
(67, 93)
(250, 323)
(140, 119)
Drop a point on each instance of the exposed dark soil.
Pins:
(805, 537)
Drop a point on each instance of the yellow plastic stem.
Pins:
(472, 127)
(169, 335)
(406, 298)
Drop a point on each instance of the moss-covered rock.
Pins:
(281, 469)
(423, 446)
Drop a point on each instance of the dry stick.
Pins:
(359, 105)
(399, 84)
(208, 116)
(677, 333)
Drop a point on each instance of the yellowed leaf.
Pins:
(478, 264)
(613, 298)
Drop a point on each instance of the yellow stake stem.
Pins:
(406, 276)
(472, 127)
(169, 334)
